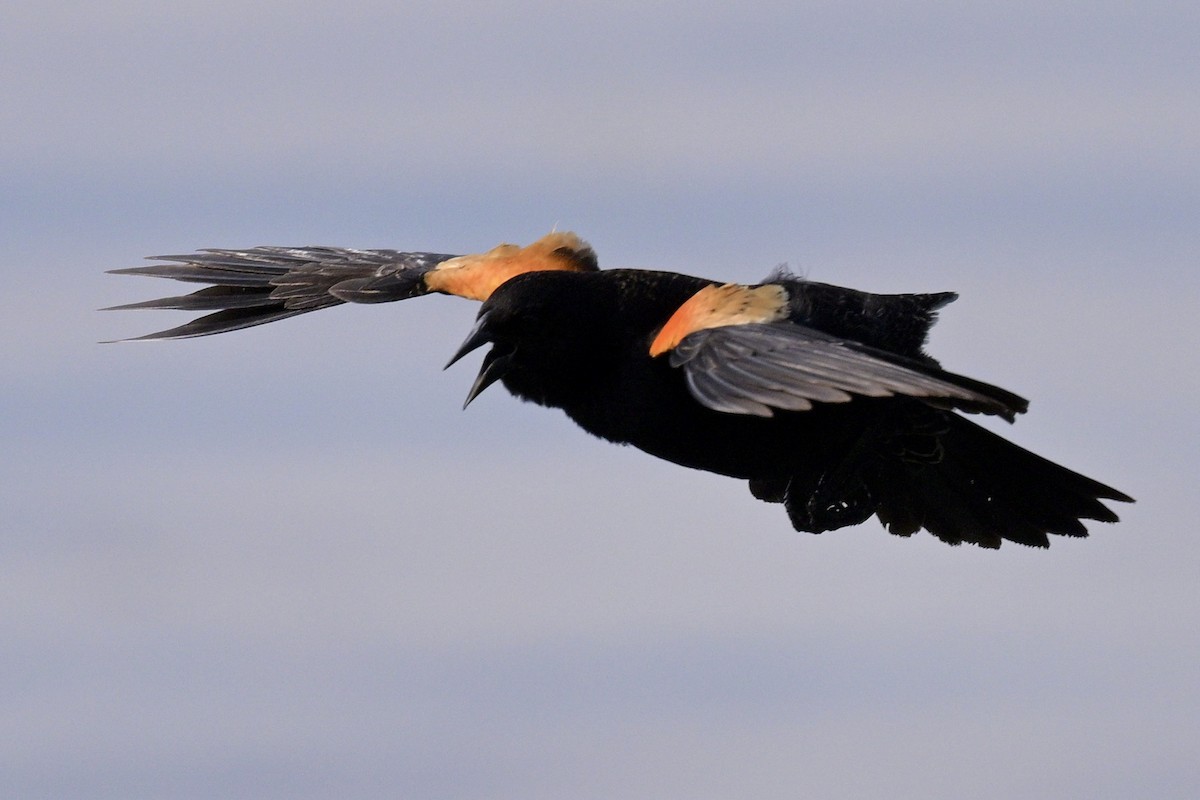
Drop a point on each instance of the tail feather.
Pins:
(963, 483)
(986, 489)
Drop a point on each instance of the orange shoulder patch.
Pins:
(715, 306)
(476, 276)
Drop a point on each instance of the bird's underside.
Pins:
(821, 397)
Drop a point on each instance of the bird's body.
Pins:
(821, 397)
(593, 361)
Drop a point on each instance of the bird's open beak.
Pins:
(493, 369)
(495, 363)
(477, 338)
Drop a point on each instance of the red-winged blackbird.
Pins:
(821, 397)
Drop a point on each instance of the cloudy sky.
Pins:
(283, 563)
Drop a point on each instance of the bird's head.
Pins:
(547, 334)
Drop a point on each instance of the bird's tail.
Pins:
(984, 489)
(264, 284)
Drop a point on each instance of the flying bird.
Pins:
(821, 397)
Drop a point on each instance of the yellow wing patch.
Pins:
(715, 306)
(476, 276)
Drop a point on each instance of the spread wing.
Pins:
(264, 284)
(758, 368)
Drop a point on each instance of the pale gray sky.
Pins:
(283, 563)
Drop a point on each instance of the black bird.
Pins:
(821, 397)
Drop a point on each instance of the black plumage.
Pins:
(821, 397)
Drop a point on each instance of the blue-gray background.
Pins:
(284, 564)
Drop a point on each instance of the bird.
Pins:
(822, 398)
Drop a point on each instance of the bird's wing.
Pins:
(264, 284)
(760, 367)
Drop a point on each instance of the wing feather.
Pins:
(265, 284)
(719, 395)
(757, 368)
